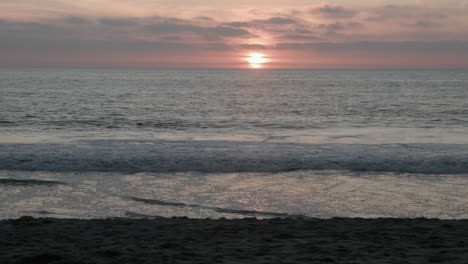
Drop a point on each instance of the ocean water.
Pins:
(95, 143)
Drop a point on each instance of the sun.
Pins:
(256, 60)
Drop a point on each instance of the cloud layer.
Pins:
(322, 35)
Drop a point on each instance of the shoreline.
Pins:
(248, 240)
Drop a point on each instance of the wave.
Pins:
(119, 123)
(41, 212)
(231, 156)
(15, 182)
(216, 209)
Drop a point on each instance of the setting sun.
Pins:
(256, 60)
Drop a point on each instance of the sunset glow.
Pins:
(256, 60)
(245, 34)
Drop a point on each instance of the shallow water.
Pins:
(301, 193)
(233, 143)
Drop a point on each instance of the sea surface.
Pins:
(96, 143)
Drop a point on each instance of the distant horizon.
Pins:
(211, 68)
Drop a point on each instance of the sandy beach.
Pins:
(183, 240)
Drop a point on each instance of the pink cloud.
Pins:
(322, 33)
(332, 11)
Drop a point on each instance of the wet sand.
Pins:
(183, 240)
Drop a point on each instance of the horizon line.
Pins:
(236, 68)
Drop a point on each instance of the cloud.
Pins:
(272, 21)
(252, 47)
(238, 24)
(10, 29)
(423, 24)
(75, 20)
(333, 28)
(275, 21)
(303, 31)
(31, 37)
(209, 32)
(76, 45)
(203, 18)
(171, 38)
(300, 37)
(370, 46)
(118, 22)
(333, 11)
(226, 31)
(391, 12)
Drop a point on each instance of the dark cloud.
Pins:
(79, 28)
(203, 18)
(166, 27)
(332, 11)
(303, 31)
(11, 29)
(228, 31)
(272, 21)
(423, 24)
(238, 24)
(118, 22)
(368, 46)
(67, 36)
(390, 12)
(75, 20)
(32, 37)
(332, 28)
(276, 21)
(171, 38)
(74, 45)
(218, 46)
(300, 37)
(160, 19)
(252, 47)
(209, 32)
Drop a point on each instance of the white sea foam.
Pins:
(231, 156)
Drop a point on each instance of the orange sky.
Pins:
(221, 34)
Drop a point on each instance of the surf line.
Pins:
(216, 209)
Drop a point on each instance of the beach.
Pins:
(249, 240)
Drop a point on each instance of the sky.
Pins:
(225, 34)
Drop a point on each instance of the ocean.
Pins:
(96, 143)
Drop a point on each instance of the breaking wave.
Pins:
(232, 156)
(216, 209)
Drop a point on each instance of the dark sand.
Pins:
(182, 240)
